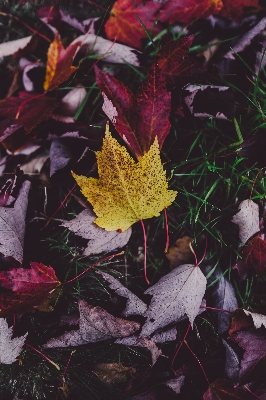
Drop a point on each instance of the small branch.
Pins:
(216, 309)
(47, 358)
(145, 252)
(179, 347)
(166, 231)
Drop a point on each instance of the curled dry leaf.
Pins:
(113, 373)
(134, 305)
(95, 325)
(259, 320)
(247, 219)
(11, 47)
(12, 225)
(124, 21)
(100, 239)
(10, 348)
(178, 293)
(108, 51)
(118, 196)
(27, 288)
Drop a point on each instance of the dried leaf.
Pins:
(95, 325)
(138, 119)
(253, 258)
(117, 196)
(240, 321)
(28, 288)
(247, 219)
(134, 305)
(178, 293)
(235, 9)
(60, 156)
(100, 239)
(10, 348)
(254, 345)
(12, 225)
(124, 25)
(232, 365)
(259, 320)
(180, 253)
(113, 373)
(59, 63)
(175, 384)
(151, 346)
(223, 389)
(188, 11)
(11, 47)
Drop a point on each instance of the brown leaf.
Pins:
(180, 253)
(113, 373)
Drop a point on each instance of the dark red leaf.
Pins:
(27, 288)
(235, 9)
(253, 258)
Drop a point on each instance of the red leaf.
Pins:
(30, 287)
(59, 63)
(124, 26)
(253, 258)
(28, 109)
(173, 60)
(188, 11)
(235, 9)
(138, 119)
(223, 389)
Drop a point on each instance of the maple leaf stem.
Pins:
(179, 347)
(166, 231)
(253, 394)
(26, 25)
(47, 358)
(65, 371)
(253, 184)
(194, 254)
(93, 265)
(145, 252)
(192, 352)
(25, 102)
(216, 309)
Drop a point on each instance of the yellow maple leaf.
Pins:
(126, 191)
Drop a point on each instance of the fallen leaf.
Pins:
(235, 9)
(151, 346)
(113, 373)
(247, 219)
(188, 11)
(60, 156)
(11, 47)
(12, 225)
(178, 293)
(232, 364)
(254, 345)
(35, 164)
(59, 63)
(180, 252)
(107, 50)
(253, 258)
(10, 348)
(209, 101)
(223, 389)
(124, 21)
(175, 384)
(259, 320)
(95, 325)
(28, 288)
(134, 306)
(70, 104)
(53, 16)
(138, 119)
(118, 196)
(26, 109)
(175, 64)
(240, 321)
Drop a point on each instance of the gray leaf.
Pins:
(10, 349)
(232, 366)
(175, 384)
(60, 156)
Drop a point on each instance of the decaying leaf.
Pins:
(142, 342)
(124, 22)
(113, 373)
(180, 252)
(59, 63)
(254, 345)
(138, 119)
(126, 191)
(253, 258)
(188, 11)
(27, 288)
(240, 321)
(95, 325)
(247, 219)
(178, 293)
(232, 364)
(259, 320)
(10, 348)
(100, 239)
(12, 225)
(175, 384)
(134, 305)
